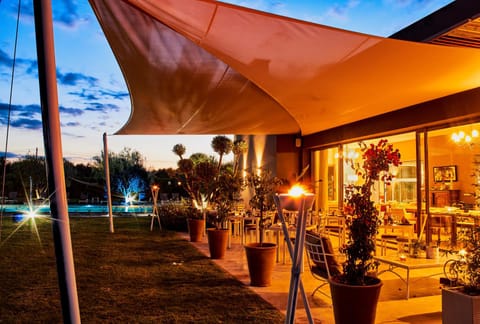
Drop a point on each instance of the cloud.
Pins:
(27, 123)
(71, 111)
(5, 59)
(74, 79)
(21, 116)
(26, 110)
(65, 13)
(72, 124)
(98, 94)
(340, 12)
(101, 107)
(28, 65)
(120, 95)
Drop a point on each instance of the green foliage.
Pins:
(175, 214)
(127, 173)
(179, 149)
(467, 269)
(20, 173)
(263, 187)
(228, 187)
(222, 145)
(211, 184)
(363, 221)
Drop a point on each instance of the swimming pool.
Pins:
(80, 209)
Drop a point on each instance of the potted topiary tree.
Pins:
(196, 175)
(261, 255)
(354, 292)
(461, 303)
(227, 187)
(215, 187)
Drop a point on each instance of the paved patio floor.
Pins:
(424, 305)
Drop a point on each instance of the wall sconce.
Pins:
(298, 142)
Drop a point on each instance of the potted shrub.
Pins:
(195, 174)
(261, 255)
(354, 292)
(214, 187)
(227, 186)
(461, 303)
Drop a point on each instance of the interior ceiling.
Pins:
(206, 67)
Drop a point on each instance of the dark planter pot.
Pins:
(217, 242)
(355, 304)
(196, 228)
(261, 262)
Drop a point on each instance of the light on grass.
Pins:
(31, 214)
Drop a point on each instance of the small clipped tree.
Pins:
(209, 183)
(263, 186)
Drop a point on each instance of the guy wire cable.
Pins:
(8, 119)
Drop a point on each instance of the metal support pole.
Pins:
(54, 160)
(107, 181)
(296, 254)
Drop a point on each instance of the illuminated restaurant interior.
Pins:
(443, 180)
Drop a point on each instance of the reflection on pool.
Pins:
(82, 209)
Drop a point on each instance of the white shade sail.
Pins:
(206, 67)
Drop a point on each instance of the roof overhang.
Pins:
(206, 67)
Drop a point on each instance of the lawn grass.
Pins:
(131, 276)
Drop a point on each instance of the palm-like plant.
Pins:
(222, 145)
(209, 183)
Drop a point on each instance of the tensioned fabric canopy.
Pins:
(206, 67)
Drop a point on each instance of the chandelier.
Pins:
(461, 136)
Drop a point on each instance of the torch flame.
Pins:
(296, 191)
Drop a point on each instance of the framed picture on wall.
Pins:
(446, 173)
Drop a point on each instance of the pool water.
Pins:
(81, 209)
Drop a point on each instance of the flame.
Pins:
(296, 191)
(462, 253)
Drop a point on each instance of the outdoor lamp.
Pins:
(295, 200)
(292, 200)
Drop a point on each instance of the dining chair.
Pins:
(322, 261)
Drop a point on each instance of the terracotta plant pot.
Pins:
(217, 242)
(261, 261)
(354, 304)
(196, 228)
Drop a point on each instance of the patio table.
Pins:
(394, 263)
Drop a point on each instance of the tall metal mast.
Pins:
(54, 160)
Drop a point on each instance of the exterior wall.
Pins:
(278, 154)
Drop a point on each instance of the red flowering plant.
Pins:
(364, 221)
